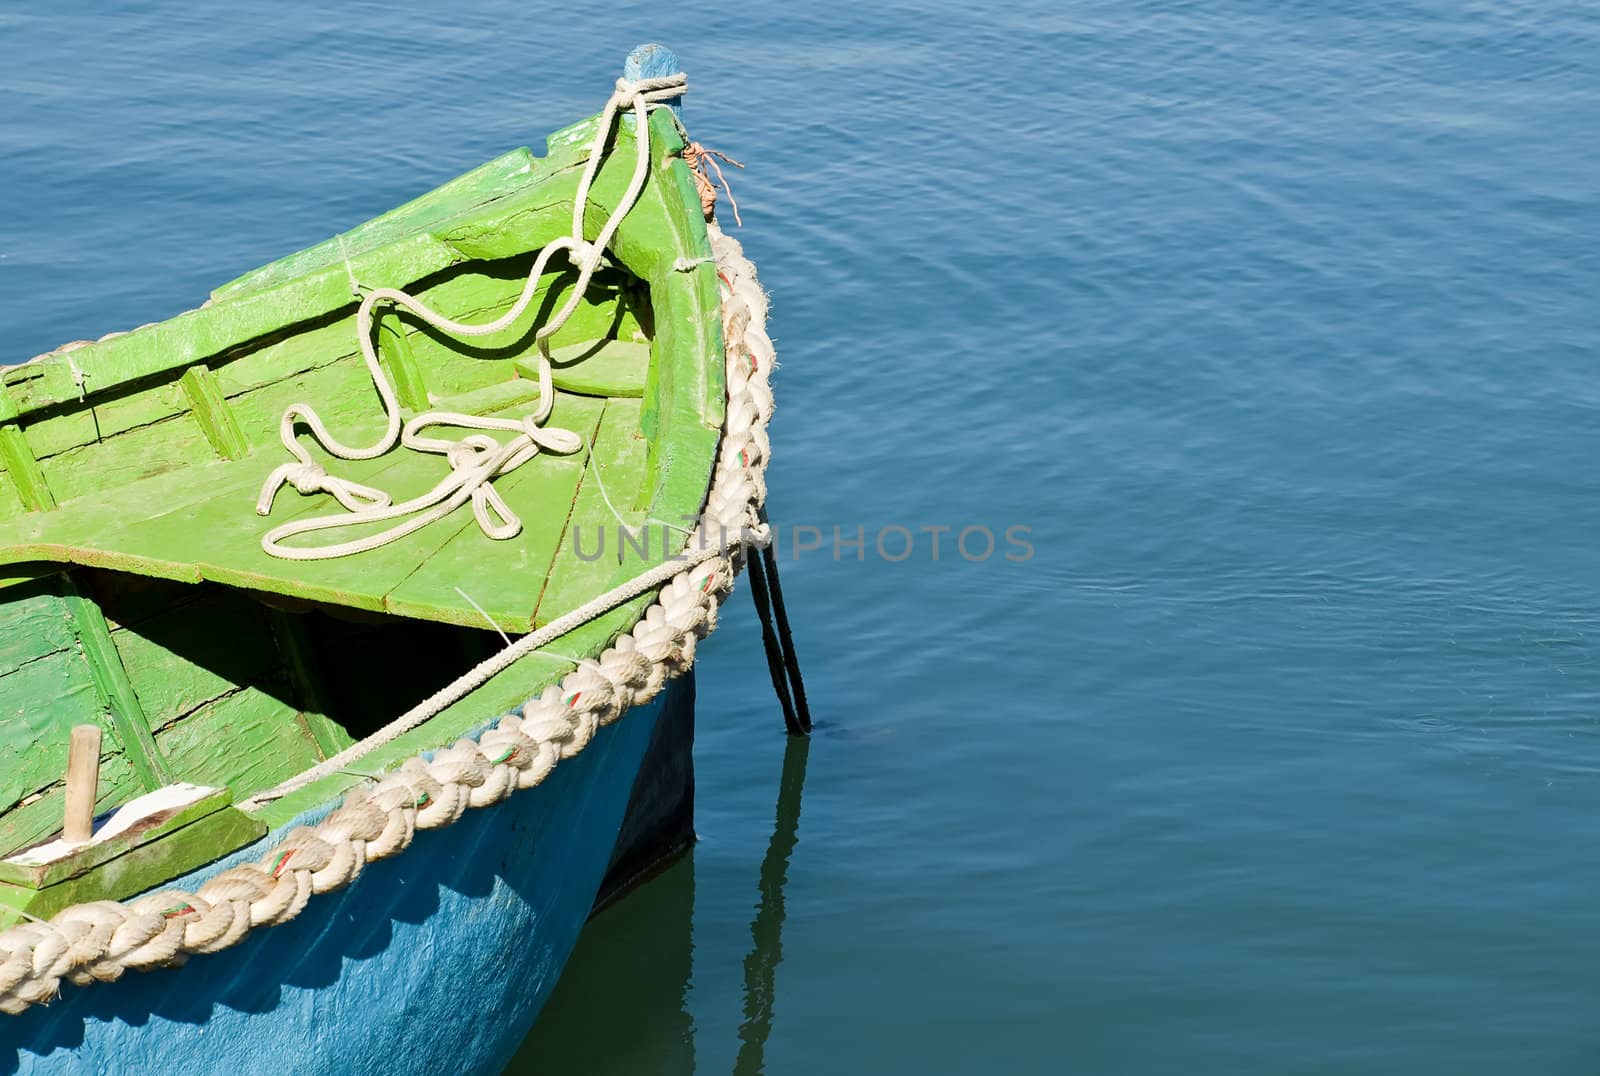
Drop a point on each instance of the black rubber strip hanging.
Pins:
(779, 642)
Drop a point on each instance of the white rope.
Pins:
(101, 939)
(477, 458)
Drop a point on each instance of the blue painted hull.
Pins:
(435, 960)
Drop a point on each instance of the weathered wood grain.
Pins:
(39, 816)
(244, 740)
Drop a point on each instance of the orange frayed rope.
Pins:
(698, 158)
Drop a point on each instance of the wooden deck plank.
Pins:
(506, 577)
(200, 524)
(158, 526)
(586, 563)
(224, 540)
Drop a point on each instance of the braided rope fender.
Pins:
(102, 939)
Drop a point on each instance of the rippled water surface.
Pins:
(1275, 324)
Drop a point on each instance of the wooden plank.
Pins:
(290, 350)
(23, 468)
(683, 432)
(505, 577)
(141, 453)
(396, 358)
(202, 524)
(112, 683)
(10, 500)
(83, 781)
(231, 552)
(616, 368)
(588, 558)
(34, 622)
(521, 222)
(103, 418)
(198, 335)
(342, 394)
(482, 292)
(215, 417)
(163, 496)
(481, 186)
(475, 294)
(246, 741)
(138, 822)
(145, 868)
(499, 396)
(186, 657)
(42, 701)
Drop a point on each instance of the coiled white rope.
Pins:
(476, 459)
(101, 939)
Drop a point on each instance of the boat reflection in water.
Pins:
(766, 930)
(623, 1002)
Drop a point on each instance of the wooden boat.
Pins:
(365, 822)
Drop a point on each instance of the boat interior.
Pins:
(134, 591)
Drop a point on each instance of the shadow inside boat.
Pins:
(608, 284)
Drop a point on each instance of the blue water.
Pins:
(1275, 324)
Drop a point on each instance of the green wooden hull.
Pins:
(134, 592)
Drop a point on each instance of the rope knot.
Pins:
(585, 256)
(631, 93)
(307, 476)
(758, 536)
